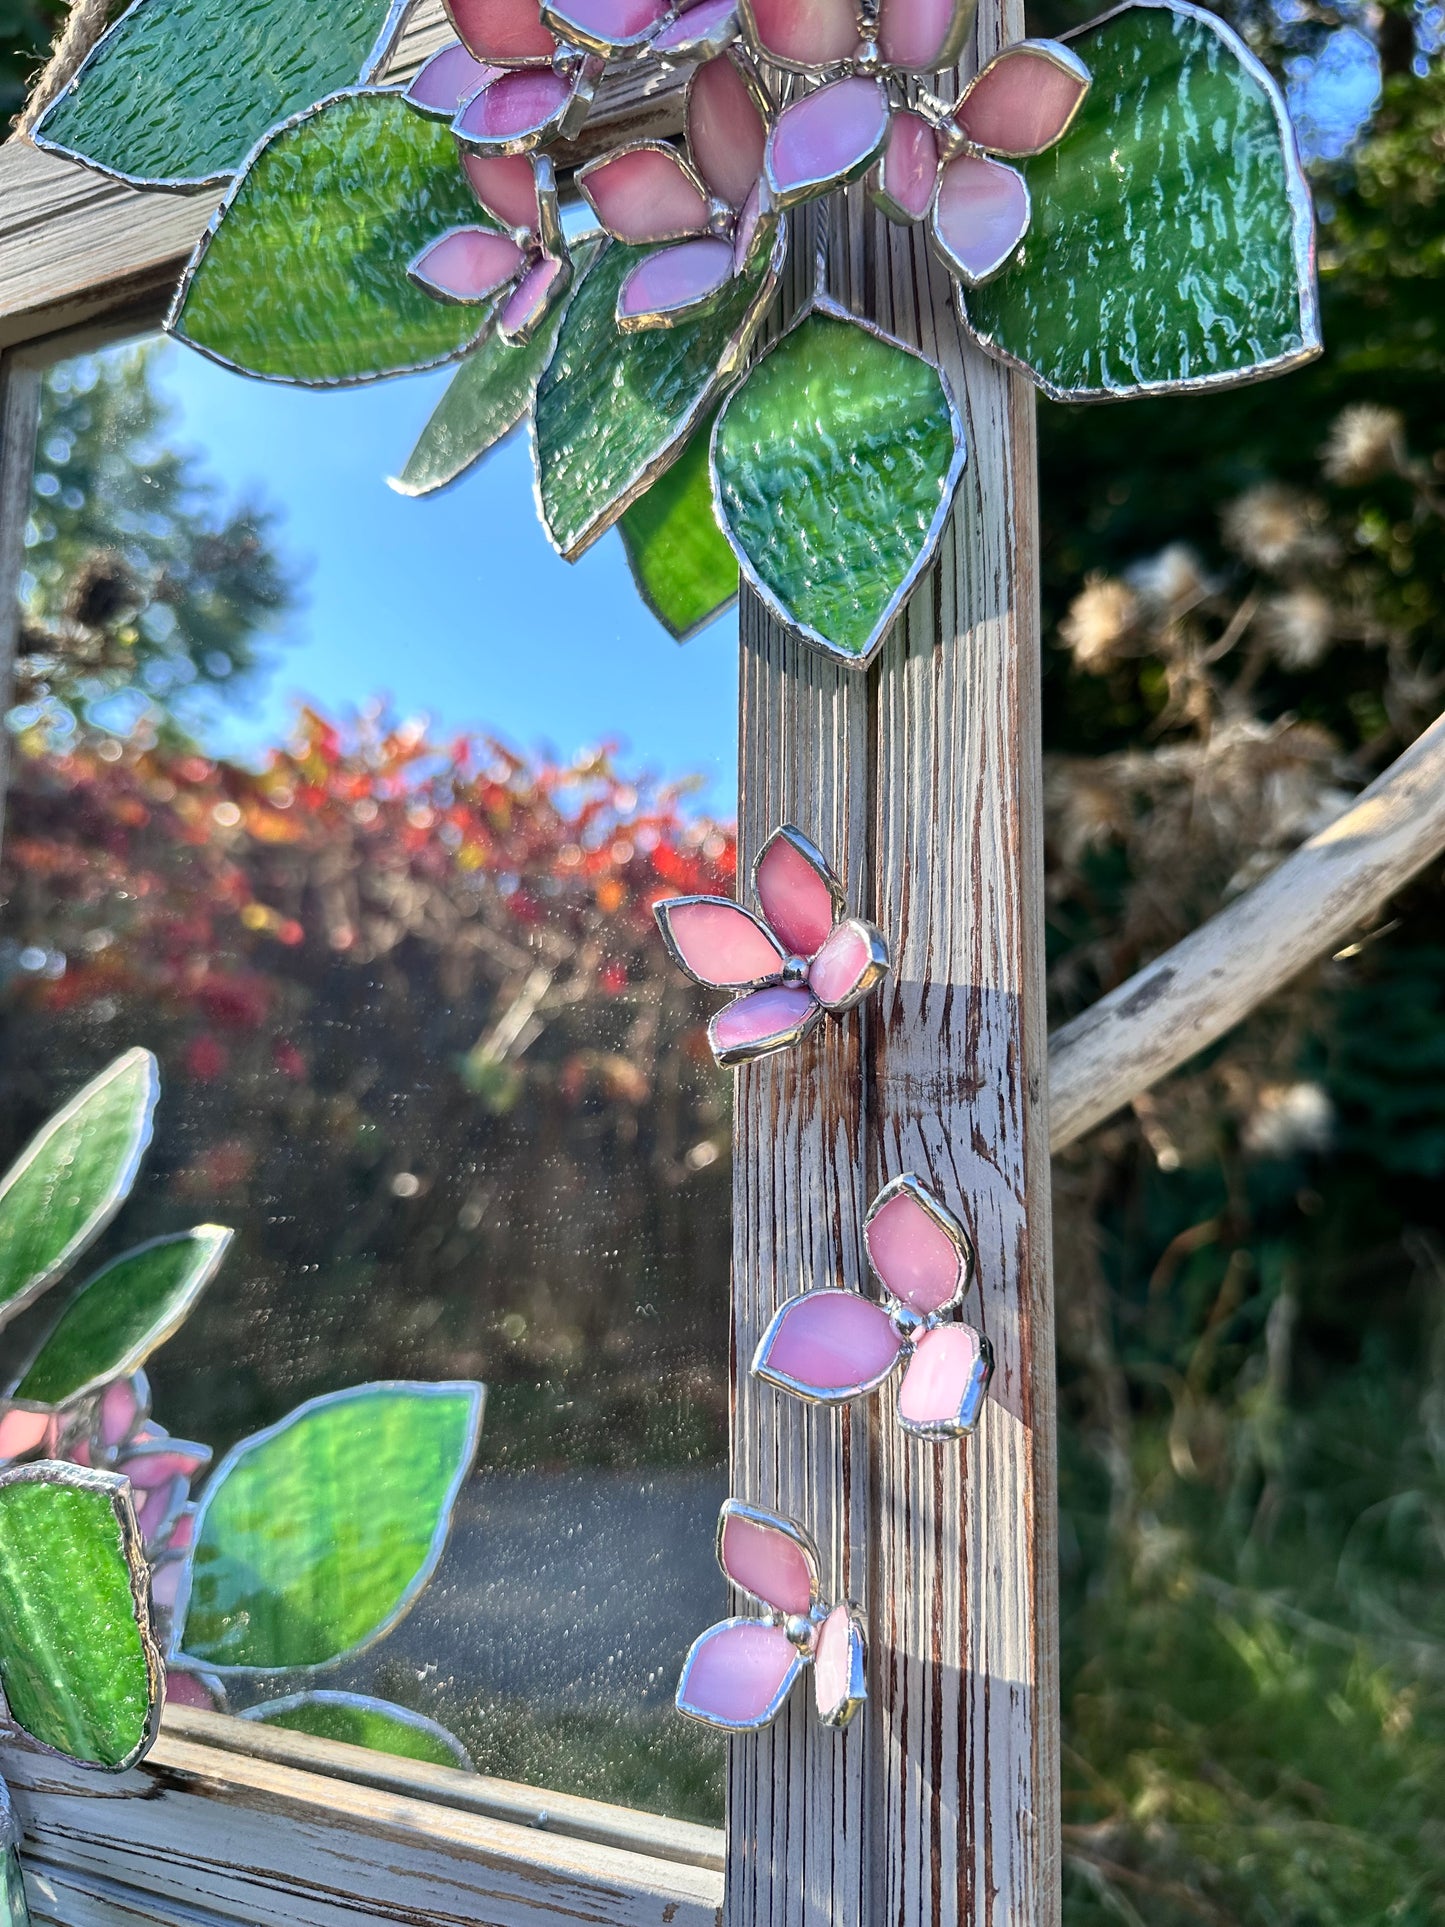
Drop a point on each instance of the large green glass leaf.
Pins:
(316, 1536)
(116, 1321)
(485, 399)
(359, 1720)
(1171, 240)
(679, 557)
(613, 409)
(79, 1668)
(73, 1176)
(178, 92)
(835, 463)
(302, 275)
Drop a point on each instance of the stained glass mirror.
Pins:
(351, 810)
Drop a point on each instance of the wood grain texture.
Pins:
(199, 1835)
(1206, 984)
(922, 780)
(75, 245)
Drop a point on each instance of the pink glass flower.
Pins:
(834, 135)
(711, 204)
(1021, 103)
(739, 1673)
(111, 1430)
(803, 957)
(831, 1345)
(524, 271)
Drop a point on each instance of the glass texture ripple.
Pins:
(831, 464)
(74, 1661)
(612, 407)
(180, 91)
(303, 276)
(1170, 243)
(315, 1536)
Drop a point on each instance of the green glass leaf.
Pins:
(679, 557)
(72, 1178)
(486, 398)
(14, 1908)
(178, 92)
(359, 1720)
(78, 1665)
(613, 409)
(835, 463)
(123, 1313)
(314, 1537)
(302, 275)
(1171, 239)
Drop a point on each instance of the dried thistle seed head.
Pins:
(1102, 620)
(1298, 627)
(1364, 442)
(1273, 526)
(1172, 581)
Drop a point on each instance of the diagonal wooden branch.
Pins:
(1194, 993)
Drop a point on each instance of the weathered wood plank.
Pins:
(528, 1806)
(923, 779)
(197, 1834)
(1205, 985)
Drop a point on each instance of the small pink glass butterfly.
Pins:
(739, 1673)
(802, 957)
(830, 1345)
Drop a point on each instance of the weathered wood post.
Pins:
(922, 779)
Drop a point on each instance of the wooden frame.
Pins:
(921, 780)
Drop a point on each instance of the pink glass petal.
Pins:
(726, 134)
(739, 1673)
(843, 966)
(447, 79)
(534, 297)
(943, 1388)
(506, 186)
(699, 30)
(913, 1255)
(78, 1452)
(799, 900)
(470, 264)
(908, 171)
(166, 1585)
(980, 216)
(764, 1020)
(120, 1412)
(722, 944)
(183, 1531)
(607, 23)
(1022, 102)
(514, 108)
(675, 279)
(184, 1689)
(505, 31)
(22, 1432)
(828, 1344)
(646, 195)
(805, 33)
(154, 1509)
(838, 1668)
(767, 1564)
(826, 138)
(923, 35)
(159, 1465)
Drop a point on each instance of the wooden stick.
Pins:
(1218, 974)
